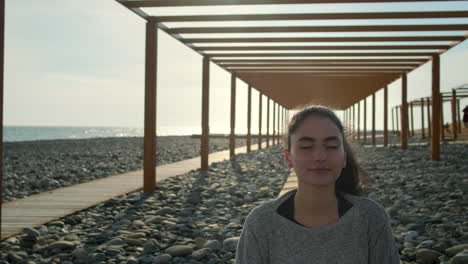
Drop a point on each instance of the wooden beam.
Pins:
(249, 116)
(393, 122)
(328, 54)
(385, 119)
(404, 112)
(232, 135)
(331, 70)
(322, 65)
(310, 16)
(2, 56)
(323, 39)
(454, 114)
(260, 120)
(326, 47)
(373, 119)
(166, 3)
(435, 140)
(204, 148)
(268, 123)
(422, 119)
(319, 61)
(300, 29)
(149, 159)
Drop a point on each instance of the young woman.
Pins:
(326, 219)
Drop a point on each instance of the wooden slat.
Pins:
(328, 54)
(282, 67)
(323, 61)
(360, 47)
(322, 70)
(322, 65)
(163, 3)
(316, 16)
(204, 147)
(290, 29)
(324, 39)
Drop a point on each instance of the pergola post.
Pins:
(232, 135)
(435, 141)
(365, 119)
(386, 116)
(273, 130)
(353, 123)
(429, 125)
(397, 109)
(259, 120)
(442, 127)
(404, 112)
(204, 148)
(454, 113)
(149, 159)
(423, 135)
(2, 54)
(412, 119)
(373, 119)
(278, 114)
(249, 116)
(458, 116)
(268, 123)
(359, 120)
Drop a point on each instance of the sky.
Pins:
(81, 63)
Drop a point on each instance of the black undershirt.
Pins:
(286, 209)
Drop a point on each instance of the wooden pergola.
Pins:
(338, 71)
(425, 103)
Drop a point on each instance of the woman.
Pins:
(325, 220)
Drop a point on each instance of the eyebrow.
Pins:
(311, 139)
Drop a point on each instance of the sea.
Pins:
(27, 133)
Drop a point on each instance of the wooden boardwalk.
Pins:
(42, 208)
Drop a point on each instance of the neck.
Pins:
(315, 199)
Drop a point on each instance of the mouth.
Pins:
(320, 170)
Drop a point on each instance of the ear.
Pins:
(287, 157)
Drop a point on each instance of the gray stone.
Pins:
(162, 259)
(213, 244)
(201, 253)
(112, 252)
(80, 253)
(116, 242)
(179, 250)
(31, 232)
(427, 256)
(62, 245)
(461, 258)
(230, 244)
(452, 251)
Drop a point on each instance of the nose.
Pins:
(320, 154)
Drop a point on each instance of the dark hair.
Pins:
(353, 176)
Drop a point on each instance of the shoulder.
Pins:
(263, 214)
(369, 209)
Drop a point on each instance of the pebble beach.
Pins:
(198, 217)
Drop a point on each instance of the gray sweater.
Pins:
(362, 235)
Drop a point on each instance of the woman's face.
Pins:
(317, 153)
